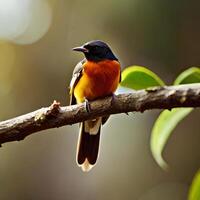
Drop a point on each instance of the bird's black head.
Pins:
(96, 51)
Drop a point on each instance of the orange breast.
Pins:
(98, 80)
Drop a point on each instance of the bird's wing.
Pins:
(77, 73)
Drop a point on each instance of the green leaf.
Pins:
(163, 128)
(194, 192)
(168, 120)
(191, 75)
(137, 77)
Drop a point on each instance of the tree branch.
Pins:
(55, 116)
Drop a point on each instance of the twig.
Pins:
(55, 116)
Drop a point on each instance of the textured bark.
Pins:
(167, 97)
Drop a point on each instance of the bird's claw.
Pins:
(87, 106)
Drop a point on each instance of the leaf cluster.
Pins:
(136, 78)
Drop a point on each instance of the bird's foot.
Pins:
(87, 105)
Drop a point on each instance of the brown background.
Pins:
(162, 35)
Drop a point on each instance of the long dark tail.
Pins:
(88, 143)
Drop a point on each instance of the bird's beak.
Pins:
(81, 49)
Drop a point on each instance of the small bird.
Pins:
(96, 76)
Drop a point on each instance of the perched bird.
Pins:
(96, 76)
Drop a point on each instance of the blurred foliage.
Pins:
(194, 193)
(162, 129)
(191, 75)
(137, 77)
(168, 120)
(142, 78)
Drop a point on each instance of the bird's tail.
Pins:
(88, 143)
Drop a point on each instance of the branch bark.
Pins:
(167, 97)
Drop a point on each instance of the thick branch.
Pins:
(55, 116)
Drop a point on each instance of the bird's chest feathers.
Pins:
(102, 72)
(103, 76)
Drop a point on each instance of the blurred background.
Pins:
(36, 63)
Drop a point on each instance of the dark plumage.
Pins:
(96, 51)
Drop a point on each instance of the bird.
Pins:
(96, 76)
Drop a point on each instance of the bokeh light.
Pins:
(14, 17)
(24, 21)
